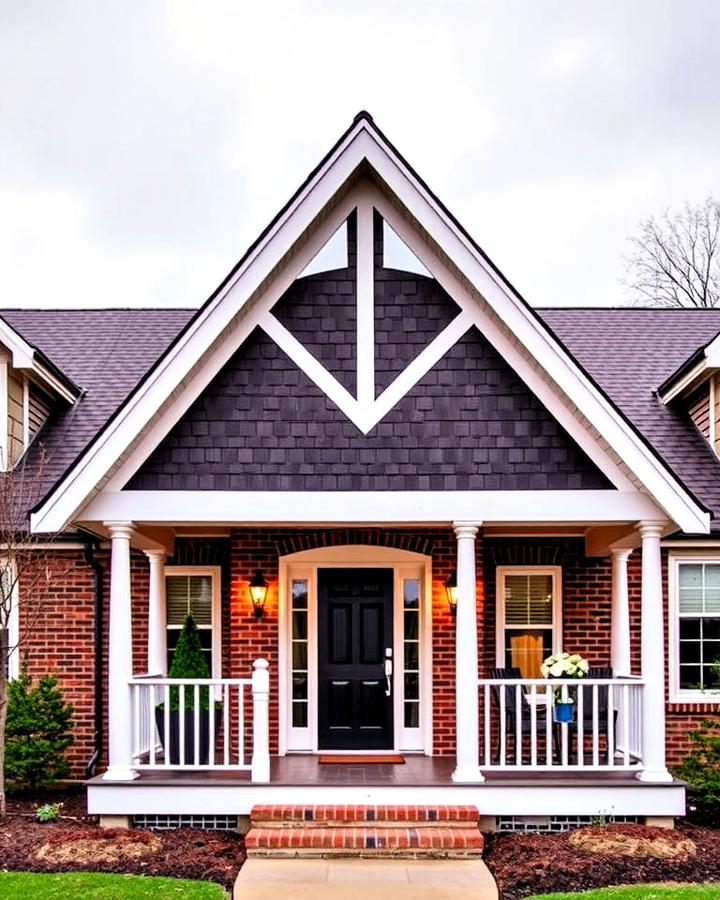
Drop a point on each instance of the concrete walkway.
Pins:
(357, 879)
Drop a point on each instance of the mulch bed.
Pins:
(76, 843)
(526, 864)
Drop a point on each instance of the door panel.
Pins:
(355, 609)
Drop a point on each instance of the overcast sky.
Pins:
(144, 145)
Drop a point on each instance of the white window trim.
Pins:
(215, 573)
(500, 573)
(304, 565)
(676, 693)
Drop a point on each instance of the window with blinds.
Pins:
(191, 595)
(528, 614)
(698, 604)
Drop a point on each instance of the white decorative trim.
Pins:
(500, 573)
(402, 507)
(675, 693)
(315, 371)
(365, 355)
(364, 415)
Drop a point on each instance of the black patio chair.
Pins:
(513, 674)
(603, 707)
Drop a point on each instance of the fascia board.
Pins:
(405, 507)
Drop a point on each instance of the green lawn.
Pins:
(94, 886)
(642, 892)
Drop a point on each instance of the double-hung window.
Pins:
(528, 617)
(695, 628)
(194, 591)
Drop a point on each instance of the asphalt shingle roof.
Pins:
(629, 352)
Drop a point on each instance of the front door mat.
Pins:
(366, 758)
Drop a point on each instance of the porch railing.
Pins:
(519, 727)
(202, 724)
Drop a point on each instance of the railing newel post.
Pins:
(260, 765)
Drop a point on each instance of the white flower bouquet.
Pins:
(564, 665)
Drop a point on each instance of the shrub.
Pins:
(48, 812)
(189, 662)
(37, 733)
(701, 769)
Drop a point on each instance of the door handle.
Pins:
(388, 671)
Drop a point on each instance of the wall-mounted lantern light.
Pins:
(451, 589)
(258, 592)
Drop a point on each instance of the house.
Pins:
(423, 480)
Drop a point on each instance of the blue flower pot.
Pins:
(564, 712)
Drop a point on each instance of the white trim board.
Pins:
(362, 144)
(523, 798)
(675, 693)
(398, 507)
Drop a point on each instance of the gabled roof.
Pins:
(208, 337)
(693, 370)
(29, 357)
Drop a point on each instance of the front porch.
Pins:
(490, 741)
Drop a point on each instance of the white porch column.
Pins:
(653, 657)
(620, 618)
(467, 733)
(120, 656)
(157, 616)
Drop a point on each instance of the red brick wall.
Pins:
(61, 639)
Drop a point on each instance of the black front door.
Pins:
(355, 609)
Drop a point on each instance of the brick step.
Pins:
(294, 815)
(365, 840)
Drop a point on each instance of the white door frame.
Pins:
(304, 565)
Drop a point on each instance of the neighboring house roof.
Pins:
(106, 352)
(629, 352)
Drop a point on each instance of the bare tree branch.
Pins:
(676, 259)
(27, 568)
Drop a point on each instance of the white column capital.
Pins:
(121, 529)
(155, 556)
(620, 553)
(651, 529)
(466, 529)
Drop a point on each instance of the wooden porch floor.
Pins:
(300, 770)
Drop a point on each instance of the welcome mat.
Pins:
(353, 758)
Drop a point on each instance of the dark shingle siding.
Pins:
(410, 311)
(470, 424)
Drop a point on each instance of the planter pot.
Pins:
(172, 747)
(564, 712)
